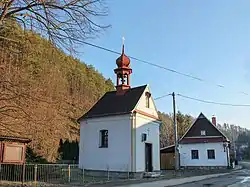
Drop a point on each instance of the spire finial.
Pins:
(123, 41)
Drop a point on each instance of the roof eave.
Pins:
(167, 147)
(147, 115)
(102, 115)
(16, 139)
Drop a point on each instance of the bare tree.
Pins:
(64, 22)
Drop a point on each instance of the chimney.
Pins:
(214, 121)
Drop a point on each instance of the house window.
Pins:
(144, 137)
(103, 138)
(211, 154)
(147, 102)
(148, 95)
(203, 133)
(195, 154)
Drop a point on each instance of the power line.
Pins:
(143, 61)
(168, 69)
(162, 96)
(149, 63)
(205, 101)
(212, 102)
(156, 65)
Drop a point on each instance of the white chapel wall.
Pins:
(118, 154)
(151, 128)
(142, 104)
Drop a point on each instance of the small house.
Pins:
(13, 149)
(204, 146)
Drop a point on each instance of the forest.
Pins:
(43, 90)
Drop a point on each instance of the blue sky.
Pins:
(209, 39)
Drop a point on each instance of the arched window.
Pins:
(103, 138)
(148, 95)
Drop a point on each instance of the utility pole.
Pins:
(233, 140)
(175, 135)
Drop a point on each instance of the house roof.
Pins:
(15, 139)
(168, 149)
(113, 104)
(193, 134)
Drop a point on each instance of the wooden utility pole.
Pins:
(233, 140)
(175, 135)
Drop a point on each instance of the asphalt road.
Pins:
(239, 178)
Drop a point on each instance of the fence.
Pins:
(51, 175)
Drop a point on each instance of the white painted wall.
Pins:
(151, 127)
(186, 159)
(142, 104)
(118, 154)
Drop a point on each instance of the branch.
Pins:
(9, 14)
(72, 18)
(5, 9)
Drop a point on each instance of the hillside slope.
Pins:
(43, 91)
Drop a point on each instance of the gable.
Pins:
(203, 124)
(142, 104)
(113, 104)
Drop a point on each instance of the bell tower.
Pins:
(123, 72)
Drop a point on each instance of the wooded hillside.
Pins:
(43, 91)
(184, 121)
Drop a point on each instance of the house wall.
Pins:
(151, 128)
(142, 104)
(186, 159)
(118, 154)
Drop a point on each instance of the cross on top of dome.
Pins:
(123, 60)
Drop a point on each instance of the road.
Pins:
(239, 178)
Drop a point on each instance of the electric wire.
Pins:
(149, 63)
(213, 102)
